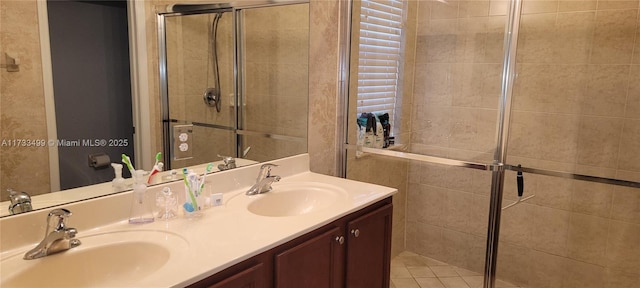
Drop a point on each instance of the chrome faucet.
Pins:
(229, 163)
(57, 238)
(20, 202)
(264, 180)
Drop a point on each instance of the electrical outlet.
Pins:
(182, 142)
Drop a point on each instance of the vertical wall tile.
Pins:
(516, 225)
(550, 88)
(577, 5)
(550, 192)
(457, 210)
(551, 230)
(587, 239)
(592, 198)
(526, 135)
(632, 108)
(473, 8)
(444, 10)
(545, 268)
(629, 158)
(607, 90)
(623, 251)
(580, 274)
(617, 4)
(514, 264)
(539, 6)
(573, 37)
(599, 141)
(611, 43)
(425, 239)
(560, 137)
(619, 279)
(626, 204)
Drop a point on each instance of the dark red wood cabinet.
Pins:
(351, 252)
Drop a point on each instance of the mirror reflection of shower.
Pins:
(212, 94)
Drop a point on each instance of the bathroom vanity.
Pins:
(353, 251)
(311, 230)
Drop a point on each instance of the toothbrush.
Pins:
(204, 178)
(193, 182)
(158, 158)
(157, 167)
(190, 207)
(127, 161)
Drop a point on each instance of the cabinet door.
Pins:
(369, 249)
(315, 263)
(249, 278)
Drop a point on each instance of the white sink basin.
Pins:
(296, 198)
(117, 259)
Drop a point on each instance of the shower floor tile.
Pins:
(410, 270)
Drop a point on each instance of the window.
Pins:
(380, 49)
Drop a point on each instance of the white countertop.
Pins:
(106, 188)
(228, 234)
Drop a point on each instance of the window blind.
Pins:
(379, 57)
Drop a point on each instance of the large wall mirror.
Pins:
(262, 67)
(236, 82)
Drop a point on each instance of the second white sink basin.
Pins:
(118, 259)
(296, 198)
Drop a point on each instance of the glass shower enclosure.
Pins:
(490, 92)
(234, 81)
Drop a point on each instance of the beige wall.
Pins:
(277, 80)
(22, 102)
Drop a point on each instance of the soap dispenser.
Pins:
(118, 183)
(141, 210)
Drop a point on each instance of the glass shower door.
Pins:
(575, 114)
(446, 112)
(191, 71)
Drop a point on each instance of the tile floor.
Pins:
(410, 270)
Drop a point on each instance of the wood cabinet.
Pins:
(353, 251)
(369, 249)
(249, 278)
(316, 262)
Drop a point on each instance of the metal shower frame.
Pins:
(498, 167)
(235, 9)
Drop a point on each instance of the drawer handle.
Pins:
(355, 232)
(340, 239)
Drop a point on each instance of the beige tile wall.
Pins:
(575, 109)
(190, 73)
(277, 80)
(22, 102)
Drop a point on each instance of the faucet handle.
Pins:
(59, 215)
(267, 167)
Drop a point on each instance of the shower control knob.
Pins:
(355, 232)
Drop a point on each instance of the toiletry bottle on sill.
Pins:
(141, 210)
(118, 183)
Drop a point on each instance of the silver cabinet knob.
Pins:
(355, 232)
(340, 239)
